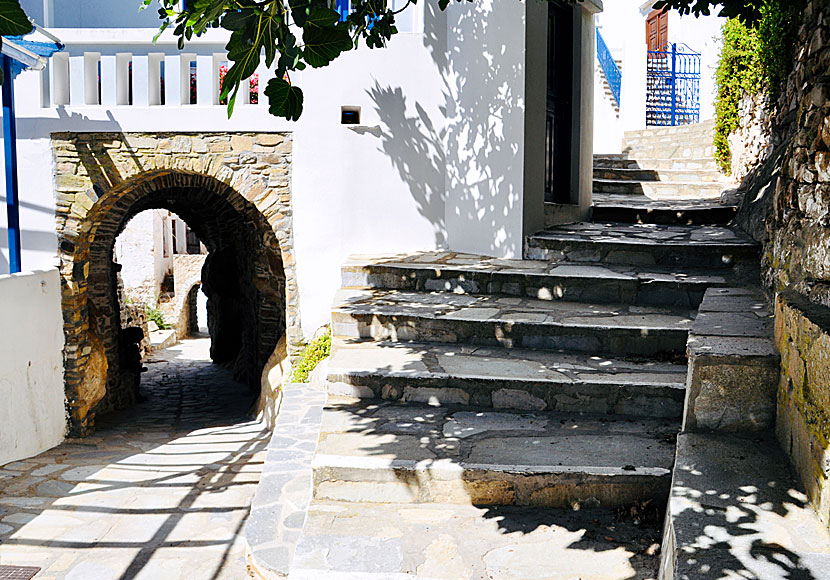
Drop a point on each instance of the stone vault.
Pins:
(232, 189)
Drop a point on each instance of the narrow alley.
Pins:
(160, 491)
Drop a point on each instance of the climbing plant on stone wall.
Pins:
(756, 56)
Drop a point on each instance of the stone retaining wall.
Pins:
(802, 336)
(786, 206)
(233, 189)
(787, 201)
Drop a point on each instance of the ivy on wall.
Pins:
(754, 57)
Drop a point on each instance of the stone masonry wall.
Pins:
(802, 336)
(787, 201)
(786, 207)
(233, 189)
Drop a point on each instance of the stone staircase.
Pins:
(664, 175)
(519, 419)
(473, 397)
(606, 86)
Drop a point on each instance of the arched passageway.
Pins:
(244, 277)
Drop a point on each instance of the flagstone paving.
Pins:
(159, 492)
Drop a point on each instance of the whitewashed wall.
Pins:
(622, 25)
(139, 248)
(32, 412)
(436, 161)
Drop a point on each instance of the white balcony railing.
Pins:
(140, 80)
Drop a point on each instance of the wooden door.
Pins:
(657, 30)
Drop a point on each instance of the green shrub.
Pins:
(753, 59)
(317, 350)
(738, 73)
(154, 314)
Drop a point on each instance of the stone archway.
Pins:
(232, 189)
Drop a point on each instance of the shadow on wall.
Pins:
(485, 83)
(415, 147)
(464, 175)
(31, 240)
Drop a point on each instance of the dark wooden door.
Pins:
(558, 118)
(657, 30)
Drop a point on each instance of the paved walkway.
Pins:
(160, 492)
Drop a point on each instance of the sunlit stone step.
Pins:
(679, 246)
(473, 274)
(494, 320)
(491, 377)
(393, 453)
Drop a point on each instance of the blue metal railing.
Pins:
(612, 72)
(673, 86)
(343, 7)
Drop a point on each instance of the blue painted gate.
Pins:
(673, 86)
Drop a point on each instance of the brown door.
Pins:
(657, 30)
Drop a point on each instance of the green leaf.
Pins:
(323, 45)
(239, 20)
(284, 99)
(271, 29)
(289, 55)
(243, 68)
(163, 27)
(13, 21)
(322, 18)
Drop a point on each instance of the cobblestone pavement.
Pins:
(160, 492)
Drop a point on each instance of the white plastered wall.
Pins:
(32, 413)
(622, 25)
(437, 160)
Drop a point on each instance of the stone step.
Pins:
(717, 247)
(698, 138)
(642, 209)
(510, 322)
(635, 174)
(473, 274)
(660, 189)
(675, 150)
(399, 541)
(383, 452)
(490, 377)
(610, 160)
(735, 505)
(702, 128)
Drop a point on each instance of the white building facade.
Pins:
(624, 26)
(452, 148)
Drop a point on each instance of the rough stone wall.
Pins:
(787, 200)
(802, 336)
(187, 274)
(232, 188)
(752, 143)
(786, 207)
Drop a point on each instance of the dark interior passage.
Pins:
(242, 278)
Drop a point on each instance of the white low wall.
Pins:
(32, 412)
